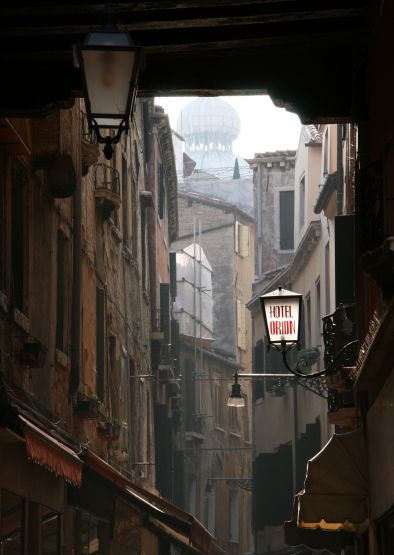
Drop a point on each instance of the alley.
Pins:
(195, 334)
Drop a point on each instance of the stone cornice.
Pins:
(161, 121)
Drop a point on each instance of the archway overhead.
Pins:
(309, 55)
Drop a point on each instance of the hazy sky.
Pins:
(264, 127)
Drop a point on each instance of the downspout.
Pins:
(339, 170)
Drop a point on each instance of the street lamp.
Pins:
(110, 63)
(235, 398)
(282, 316)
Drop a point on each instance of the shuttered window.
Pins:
(286, 219)
(100, 342)
(60, 292)
(241, 324)
(18, 236)
(242, 239)
(3, 252)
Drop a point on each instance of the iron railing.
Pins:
(106, 177)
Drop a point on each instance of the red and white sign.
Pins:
(281, 310)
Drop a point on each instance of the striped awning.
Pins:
(51, 453)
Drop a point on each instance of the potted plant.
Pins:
(87, 407)
(110, 429)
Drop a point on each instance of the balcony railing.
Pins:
(107, 178)
(338, 331)
(107, 189)
(338, 337)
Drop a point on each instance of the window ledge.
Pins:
(115, 231)
(22, 320)
(127, 254)
(62, 359)
(4, 302)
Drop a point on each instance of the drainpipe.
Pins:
(339, 170)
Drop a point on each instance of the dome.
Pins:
(208, 124)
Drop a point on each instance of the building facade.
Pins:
(214, 441)
(299, 407)
(78, 391)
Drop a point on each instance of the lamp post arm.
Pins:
(299, 374)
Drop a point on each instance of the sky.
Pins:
(264, 127)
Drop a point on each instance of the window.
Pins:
(192, 496)
(286, 220)
(61, 293)
(50, 532)
(325, 153)
(234, 516)
(219, 405)
(241, 239)
(12, 524)
(125, 404)
(125, 203)
(165, 311)
(134, 217)
(3, 224)
(113, 382)
(100, 342)
(87, 535)
(308, 320)
(302, 202)
(327, 276)
(161, 194)
(143, 249)
(318, 312)
(241, 325)
(18, 230)
(245, 414)
(211, 509)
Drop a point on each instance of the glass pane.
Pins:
(50, 532)
(108, 76)
(88, 530)
(11, 524)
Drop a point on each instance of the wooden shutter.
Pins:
(100, 342)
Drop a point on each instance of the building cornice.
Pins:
(163, 127)
(328, 187)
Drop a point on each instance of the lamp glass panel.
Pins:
(108, 77)
(236, 402)
(282, 317)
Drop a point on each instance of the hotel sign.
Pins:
(282, 313)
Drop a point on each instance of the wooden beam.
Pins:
(196, 23)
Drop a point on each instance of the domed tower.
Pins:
(209, 126)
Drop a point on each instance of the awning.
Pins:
(156, 507)
(172, 535)
(104, 469)
(51, 453)
(336, 493)
(314, 538)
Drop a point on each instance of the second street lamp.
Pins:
(282, 316)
